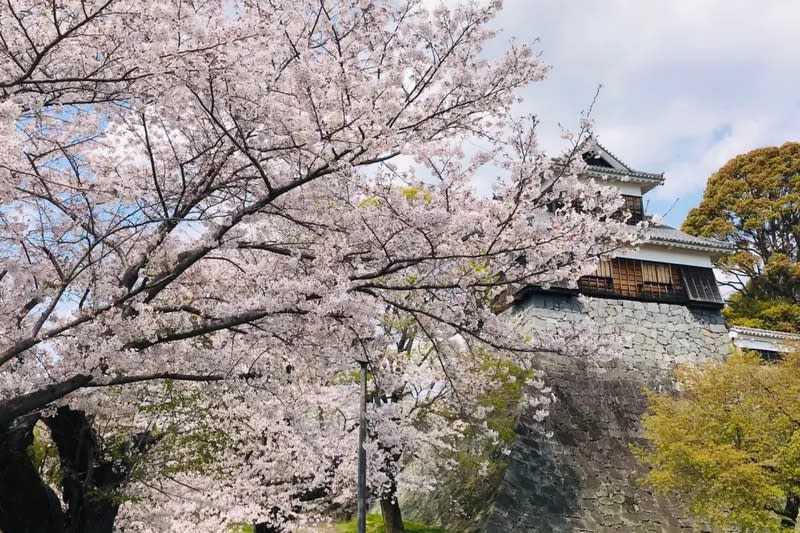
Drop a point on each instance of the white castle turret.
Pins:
(661, 303)
(670, 267)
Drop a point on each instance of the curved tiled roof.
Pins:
(667, 235)
(625, 173)
(647, 176)
(765, 333)
(612, 154)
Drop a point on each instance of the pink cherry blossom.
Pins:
(246, 199)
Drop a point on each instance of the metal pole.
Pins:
(362, 454)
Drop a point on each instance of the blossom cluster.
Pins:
(247, 200)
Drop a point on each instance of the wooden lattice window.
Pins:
(605, 269)
(701, 286)
(656, 273)
(636, 279)
(656, 279)
(602, 279)
(633, 205)
(627, 277)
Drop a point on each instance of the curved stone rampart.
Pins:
(584, 477)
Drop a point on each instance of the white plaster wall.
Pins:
(627, 188)
(664, 254)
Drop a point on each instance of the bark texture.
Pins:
(90, 480)
(392, 517)
(27, 505)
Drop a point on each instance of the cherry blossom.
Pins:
(238, 202)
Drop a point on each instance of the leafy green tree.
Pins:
(729, 443)
(753, 201)
(769, 300)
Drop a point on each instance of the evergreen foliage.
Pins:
(730, 442)
(753, 201)
(769, 300)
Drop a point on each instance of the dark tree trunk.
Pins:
(276, 514)
(790, 512)
(264, 527)
(390, 507)
(392, 518)
(90, 482)
(27, 505)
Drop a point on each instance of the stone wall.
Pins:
(584, 477)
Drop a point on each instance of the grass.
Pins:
(375, 525)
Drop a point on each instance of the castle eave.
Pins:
(741, 331)
(647, 180)
(670, 237)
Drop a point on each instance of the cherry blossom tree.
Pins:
(212, 211)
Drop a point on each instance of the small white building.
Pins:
(770, 344)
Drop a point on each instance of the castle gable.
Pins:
(602, 164)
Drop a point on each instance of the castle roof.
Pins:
(604, 165)
(741, 331)
(664, 235)
(764, 340)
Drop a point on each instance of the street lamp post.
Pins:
(362, 453)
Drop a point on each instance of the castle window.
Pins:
(656, 273)
(769, 356)
(656, 279)
(604, 269)
(602, 279)
(651, 281)
(632, 205)
(701, 286)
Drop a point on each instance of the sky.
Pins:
(686, 84)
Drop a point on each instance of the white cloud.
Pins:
(687, 84)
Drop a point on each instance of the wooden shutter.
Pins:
(633, 204)
(604, 269)
(656, 273)
(701, 285)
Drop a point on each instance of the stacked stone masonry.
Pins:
(583, 477)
